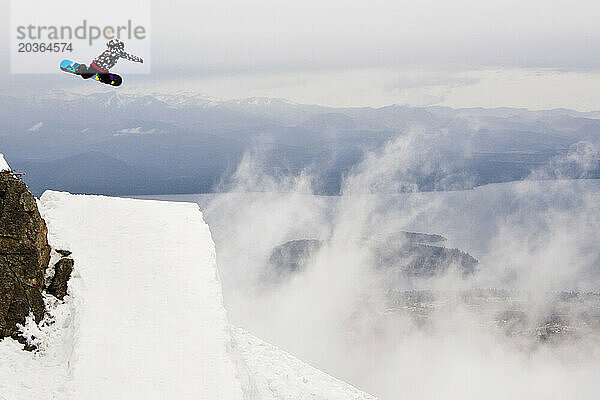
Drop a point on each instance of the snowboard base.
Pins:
(106, 78)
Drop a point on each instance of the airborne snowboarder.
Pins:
(100, 66)
(105, 61)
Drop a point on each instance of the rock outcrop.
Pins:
(62, 273)
(24, 255)
(405, 254)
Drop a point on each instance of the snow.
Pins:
(44, 374)
(183, 98)
(144, 318)
(262, 101)
(151, 322)
(135, 131)
(36, 127)
(115, 100)
(3, 164)
(279, 375)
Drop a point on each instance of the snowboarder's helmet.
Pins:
(116, 43)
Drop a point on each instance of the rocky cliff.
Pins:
(24, 255)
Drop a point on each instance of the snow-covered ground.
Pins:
(275, 374)
(144, 318)
(3, 164)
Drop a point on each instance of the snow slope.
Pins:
(3, 164)
(144, 318)
(275, 374)
(151, 322)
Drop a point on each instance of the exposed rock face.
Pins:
(421, 260)
(62, 273)
(291, 256)
(405, 254)
(64, 253)
(24, 255)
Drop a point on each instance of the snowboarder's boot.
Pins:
(81, 68)
(85, 72)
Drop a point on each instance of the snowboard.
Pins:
(108, 78)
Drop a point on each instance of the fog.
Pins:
(534, 239)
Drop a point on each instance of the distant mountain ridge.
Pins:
(191, 143)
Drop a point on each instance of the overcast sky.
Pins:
(535, 54)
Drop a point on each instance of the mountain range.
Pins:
(113, 143)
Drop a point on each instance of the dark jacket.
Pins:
(111, 55)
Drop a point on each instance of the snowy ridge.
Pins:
(3, 164)
(151, 322)
(279, 375)
(262, 101)
(179, 99)
(144, 318)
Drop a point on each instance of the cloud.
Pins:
(582, 158)
(397, 34)
(377, 87)
(414, 161)
(532, 238)
(384, 53)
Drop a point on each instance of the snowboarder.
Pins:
(105, 61)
